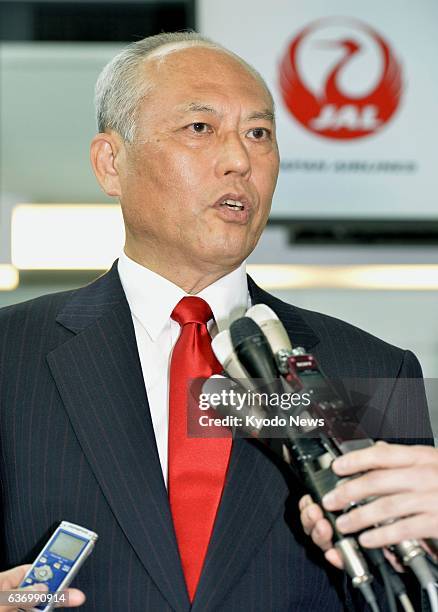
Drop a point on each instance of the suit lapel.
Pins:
(98, 375)
(253, 498)
(256, 489)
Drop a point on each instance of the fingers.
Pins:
(314, 523)
(383, 455)
(381, 482)
(402, 487)
(415, 527)
(310, 516)
(401, 484)
(390, 507)
(393, 561)
(322, 534)
(333, 556)
(75, 598)
(10, 579)
(320, 530)
(430, 545)
(24, 605)
(306, 500)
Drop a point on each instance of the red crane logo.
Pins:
(333, 104)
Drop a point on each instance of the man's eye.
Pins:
(199, 128)
(259, 134)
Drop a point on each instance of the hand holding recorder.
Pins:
(11, 579)
(43, 586)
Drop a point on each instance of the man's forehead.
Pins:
(263, 112)
(190, 56)
(203, 68)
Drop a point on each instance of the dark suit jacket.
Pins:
(77, 444)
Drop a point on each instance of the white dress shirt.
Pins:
(152, 299)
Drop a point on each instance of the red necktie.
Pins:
(197, 466)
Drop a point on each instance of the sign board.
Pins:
(356, 92)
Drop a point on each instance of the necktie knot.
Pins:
(191, 309)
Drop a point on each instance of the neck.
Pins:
(190, 279)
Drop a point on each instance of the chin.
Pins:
(228, 256)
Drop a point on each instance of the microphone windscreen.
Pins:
(271, 326)
(260, 313)
(243, 328)
(222, 346)
(223, 349)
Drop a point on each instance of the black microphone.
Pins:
(300, 453)
(272, 327)
(255, 354)
(314, 456)
(247, 416)
(223, 349)
(345, 434)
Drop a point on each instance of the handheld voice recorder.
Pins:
(59, 562)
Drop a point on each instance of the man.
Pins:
(187, 144)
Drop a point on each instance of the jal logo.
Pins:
(340, 79)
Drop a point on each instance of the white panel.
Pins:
(50, 237)
(8, 277)
(47, 120)
(394, 169)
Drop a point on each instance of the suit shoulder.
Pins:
(313, 327)
(340, 331)
(355, 352)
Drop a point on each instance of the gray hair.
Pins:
(119, 90)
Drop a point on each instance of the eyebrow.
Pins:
(267, 115)
(195, 107)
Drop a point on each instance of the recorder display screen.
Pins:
(67, 546)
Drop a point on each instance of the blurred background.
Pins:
(354, 225)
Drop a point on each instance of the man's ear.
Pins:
(103, 154)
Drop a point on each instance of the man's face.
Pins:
(197, 183)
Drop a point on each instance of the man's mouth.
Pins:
(233, 204)
(233, 201)
(234, 208)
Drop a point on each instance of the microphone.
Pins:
(345, 434)
(255, 354)
(272, 327)
(259, 355)
(306, 454)
(250, 419)
(223, 349)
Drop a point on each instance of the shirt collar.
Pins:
(152, 297)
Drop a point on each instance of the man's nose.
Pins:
(233, 156)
